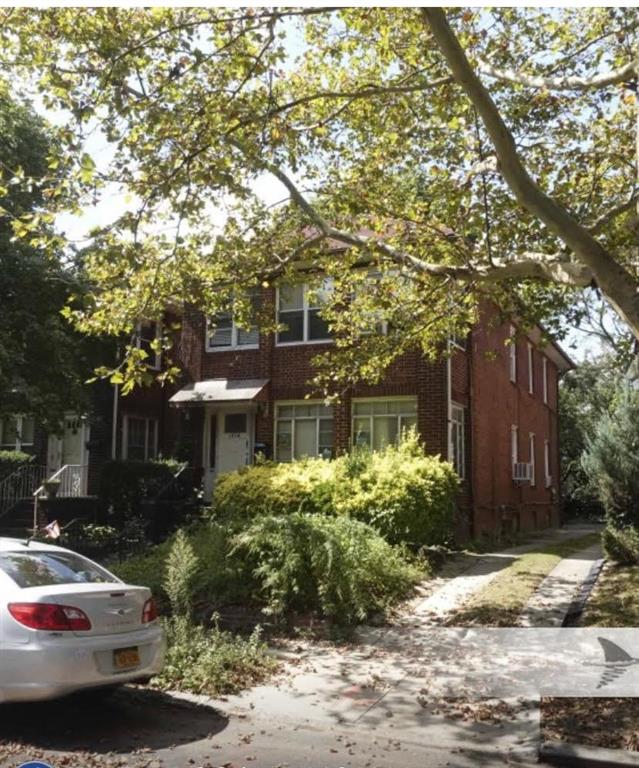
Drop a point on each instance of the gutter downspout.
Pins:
(114, 428)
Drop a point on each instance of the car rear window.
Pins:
(42, 569)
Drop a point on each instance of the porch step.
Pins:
(18, 519)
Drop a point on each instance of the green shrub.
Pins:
(181, 568)
(406, 495)
(218, 579)
(210, 661)
(621, 545)
(12, 460)
(123, 484)
(335, 565)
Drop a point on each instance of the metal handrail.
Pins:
(70, 477)
(18, 485)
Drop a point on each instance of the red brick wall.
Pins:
(497, 404)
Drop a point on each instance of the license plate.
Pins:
(126, 658)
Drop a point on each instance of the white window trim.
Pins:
(531, 373)
(293, 419)
(548, 477)
(531, 448)
(545, 378)
(455, 423)
(398, 398)
(514, 444)
(305, 320)
(156, 363)
(19, 443)
(125, 435)
(512, 355)
(235, 329)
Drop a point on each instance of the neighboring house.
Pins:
(490, 408)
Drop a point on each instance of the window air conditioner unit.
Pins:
(522, 472)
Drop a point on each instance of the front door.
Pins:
(69, 447)
(228, 436)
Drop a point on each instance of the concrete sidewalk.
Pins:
(383, 685)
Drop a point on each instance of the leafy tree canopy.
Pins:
(43, 362)
(464, 155)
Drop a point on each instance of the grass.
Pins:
(501, 601)
(599, 722)
(613, 602)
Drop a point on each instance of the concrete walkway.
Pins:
(386, 685)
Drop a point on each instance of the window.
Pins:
(377, 423)
(139, 438)
(222, 332)
(547, 463)
(148, 335)
(457, 440)
(16, 432)
(530, 369)
(531, 446)
(545, 378)
(512, 355)
(299, 308)
(514, 449)
(234, 423)
(303, 430)
(47, 569)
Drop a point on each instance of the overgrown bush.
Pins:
(407, 496)
(12, 460)
(622, 546)
(612, 460)
(201, 659)
(123, 484)
(338, 566)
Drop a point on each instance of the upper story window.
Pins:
(514, 444)
(377, 423)
(531, 372)
(457, 440)
(544, 365)
(299, 309)
(304, 429)
(512, 355)
(222, 332)
(531, 448)
(147, 336)
(16, 432)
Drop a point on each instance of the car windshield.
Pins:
(42, 569)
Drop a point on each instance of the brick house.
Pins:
(490, 408)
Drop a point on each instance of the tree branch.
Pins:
(617, 282)
(620, 75)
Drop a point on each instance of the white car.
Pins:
(67, 624)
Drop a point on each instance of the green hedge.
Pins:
(621, 545)
(337, 566)
(12, 460)
(405, 495)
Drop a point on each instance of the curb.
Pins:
(576, 607)
(581, 756)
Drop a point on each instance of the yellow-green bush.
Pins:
(407, 496)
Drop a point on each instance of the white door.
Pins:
(227, 444)
(70, 448)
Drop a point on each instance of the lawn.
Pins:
(501, 601)
(613, 602)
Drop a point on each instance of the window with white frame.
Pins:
(299, 309)
(514, 444)
(547, 463)
(512, 355)
(544, 363)
(139, 438)
(16, 432)
(148, 335)
(378, 423)
(531, 449)
(222, 331)
(457, 439)
(303, 429)
(531, 373)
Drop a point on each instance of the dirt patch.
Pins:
(597, 722)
